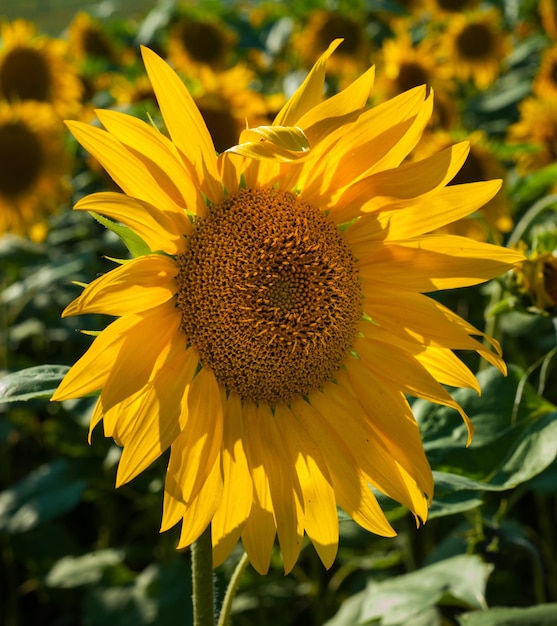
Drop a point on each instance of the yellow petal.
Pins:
(161, 230)
(137, 285)
(375, 461)
(91, 371)
(194, 453)
(184, 123)
(310, 92)
(258, 534)
(158, 417)
(321, 518)
(278, 143)
(383, 189)
(235, 504)
(133, 364)
(434, 262)
(157, 153)
(415, 317)
(284, 486)
(351, 490)
(126, 168)
(338, 110)
(199, 512)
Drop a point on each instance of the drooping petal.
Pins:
(284, 485)
(133, 364)
(199, 512)
(258, 534)
(195, 451)
(351, 490)
(235, 504)
(91, 371)
(320, 513)
(158, 416)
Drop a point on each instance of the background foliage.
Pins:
(73, 550)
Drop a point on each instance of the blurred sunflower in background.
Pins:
(545, 80)
(536, 132)
(194, 42)
(321, 27)
(35, 168)
(475, 46)
(405, 63)
(36, 67)
(275, 324)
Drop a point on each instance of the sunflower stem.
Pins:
(202, 580)
(224, 617)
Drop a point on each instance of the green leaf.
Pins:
(74, 571)
(460, 580)
(515, 432)
(47, 493)
(133, 242)
(129, 605)
(542, 615)
(40, 381)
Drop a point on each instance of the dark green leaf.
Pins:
(35, 382)
(47, 493)
(460, 580)
(515, 432)
(74, 571)
(542, 615)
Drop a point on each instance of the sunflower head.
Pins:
(475, 46)
(89, 40)
(35, 67)
(196, 42)
(34, 167)
(322, 27)
(536, 128)
(277, 323)
(534, 282)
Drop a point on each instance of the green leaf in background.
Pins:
(542, 615)
(460, 580)
(515, 434)
(133, 242)
(34, 382)
(48, 492)
(74, 571)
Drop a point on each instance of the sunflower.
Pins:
(482, 163)
(196, 42)
(321, 27)
(537, 128)
(545, 81)
(407, 64)
(271, 336)
(35, 67)
(475, 46)
(34, 167)
(548, 15)
(88, 39)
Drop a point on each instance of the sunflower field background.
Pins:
(73, 549)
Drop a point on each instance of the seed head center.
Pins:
(269, 294)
